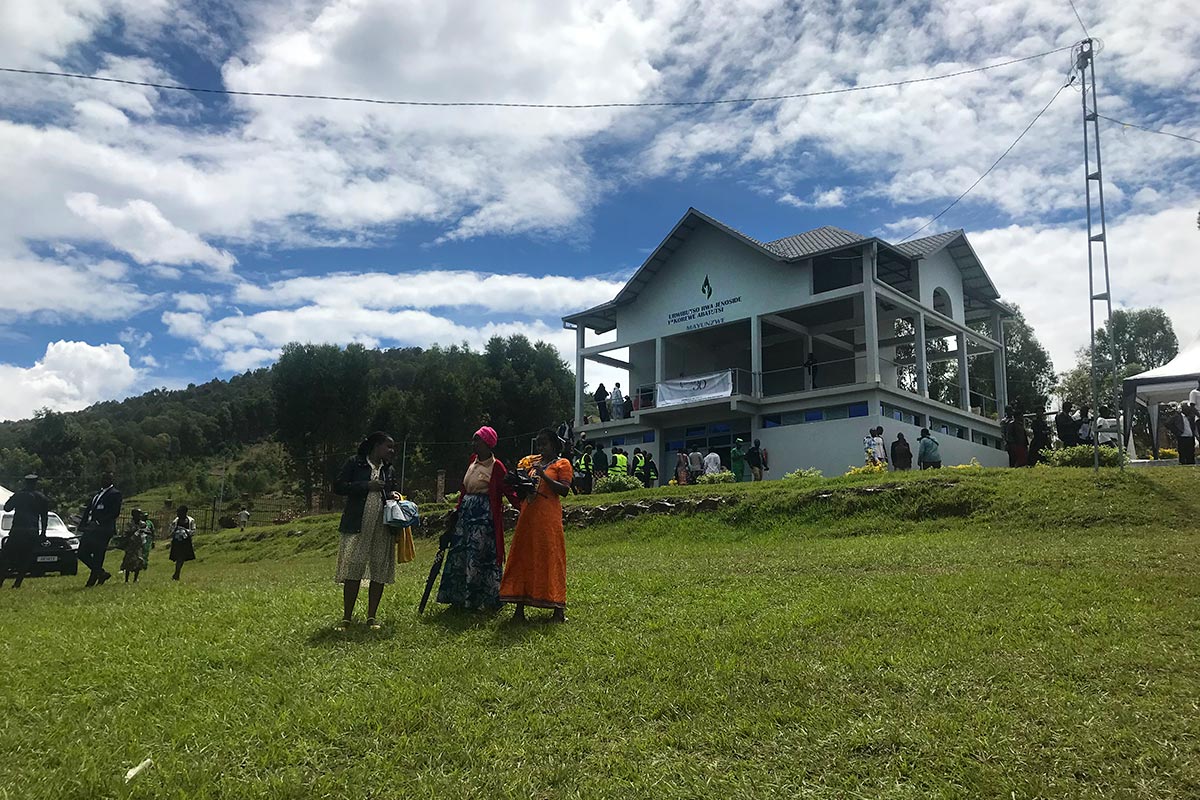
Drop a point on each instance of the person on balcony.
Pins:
(601, 398)
(618, 402)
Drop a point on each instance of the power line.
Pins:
(493, 104)
(1076, 10)
(994, 164)
(1149, 130)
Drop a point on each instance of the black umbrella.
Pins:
(451, 524)
(433, 574)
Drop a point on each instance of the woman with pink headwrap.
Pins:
(475, 559)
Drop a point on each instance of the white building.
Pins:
(719, 329)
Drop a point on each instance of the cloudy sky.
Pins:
(154, 238)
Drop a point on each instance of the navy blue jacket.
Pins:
(352, 483)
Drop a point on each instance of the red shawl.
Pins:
(497, 489)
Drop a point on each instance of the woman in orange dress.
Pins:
(536, 573)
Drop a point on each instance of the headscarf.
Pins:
(487, 436)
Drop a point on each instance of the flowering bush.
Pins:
(724, 476)
(973, 465)
(616, 482)
(802, 474)
(672, 482)
(867, 469)
(1167, 453)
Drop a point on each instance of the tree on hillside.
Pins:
(321, 408)
(1144, 338)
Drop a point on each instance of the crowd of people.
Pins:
(899, 456)
(475, 575)
(97, 532)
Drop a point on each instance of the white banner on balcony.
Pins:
(695, 387)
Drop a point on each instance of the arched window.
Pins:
(941, 303)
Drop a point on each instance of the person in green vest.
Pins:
(582, 483)
(639, 460)
(599, 463)
(737, 460)
(648, 471)
(620, 461)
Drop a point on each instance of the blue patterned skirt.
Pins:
(471, 577)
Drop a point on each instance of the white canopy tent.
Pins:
(1173, 382)
(4, 495)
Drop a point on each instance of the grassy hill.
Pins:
(972, 633)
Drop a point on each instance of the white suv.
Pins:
(58, 552)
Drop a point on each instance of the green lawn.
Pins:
(970, 634)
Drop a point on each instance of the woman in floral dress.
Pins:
(537, 567)
(475, 561)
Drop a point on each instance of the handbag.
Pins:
(400, 514)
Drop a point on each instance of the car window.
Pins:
(53, 525)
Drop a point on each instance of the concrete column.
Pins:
(870, 315)
(579, 330)
(964, 377)
(660, 370)
(756, 355)
(999, 364)
(921, 353)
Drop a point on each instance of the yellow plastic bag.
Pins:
(405, 551)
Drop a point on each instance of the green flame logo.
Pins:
(707, 288)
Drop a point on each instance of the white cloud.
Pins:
(523, 294)
(68, 289)
(1044, 270)
(135, 338)
(70, 376)
(821, 198)
(190, 301)
(139, 229)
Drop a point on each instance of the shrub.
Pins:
(867, 469)
(616, 482)
(452, 498)
(803, 474)
(724, 476)
(1081, 456)
(1167, 453)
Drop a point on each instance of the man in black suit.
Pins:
(99, 525)
(31, 515)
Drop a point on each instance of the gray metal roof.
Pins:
(920, 248)
(819, 240)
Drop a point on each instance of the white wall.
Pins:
(833, 446)
(733, 268)
(940, 272)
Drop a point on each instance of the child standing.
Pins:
(134, 545)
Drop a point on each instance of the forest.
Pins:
(284, 429)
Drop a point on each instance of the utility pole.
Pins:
(403, 459)
(1099, 286)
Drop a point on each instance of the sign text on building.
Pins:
(702, 316)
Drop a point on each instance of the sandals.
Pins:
(373, 624)
(342, 626)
